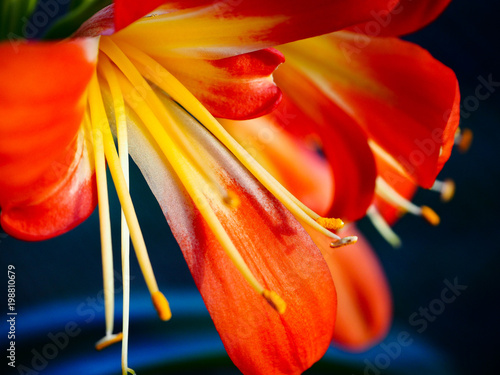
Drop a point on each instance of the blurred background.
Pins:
(59, 282)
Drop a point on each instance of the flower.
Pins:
(385, 114)
(158, 82)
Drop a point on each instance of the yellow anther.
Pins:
(274, 300)
(430, 216)
(448, 190)
(161, 305)
(465, 140)
(330, 223)
(108, 340)
(232, 200)
(344, 241)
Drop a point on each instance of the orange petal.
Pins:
(406, 101)
(217, 29)
(43, 158)
(364, 300)
(407, 17)
(298, 168)
(238, 87)
(276, 248)
(344, 142)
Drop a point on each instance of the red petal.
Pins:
(42, 90)
(238, 87)
(217, 29)
(127, 11)
(344, 143)
(364, 300)
(276, 248)
(407, 17)
(404, 99)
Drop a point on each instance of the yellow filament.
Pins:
(386, 192)
(121, 131)
(179, 93)
(105, 228)
(141, 86)
(186, 172)
(383, 227)
(99, 117)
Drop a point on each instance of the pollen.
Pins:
(330, 223)
(430, 216)
(161, 305)
(274, 300)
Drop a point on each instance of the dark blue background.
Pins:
(55, 278)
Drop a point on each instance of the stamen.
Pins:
(187, 173)
(383, 227)
(386, 192)
(274, 300)
(99, 117)
(105, 228)
(179, 93)
(122, 136)
(140, 85)
(430, 216)
(330, 224)
(463, 139)
(446, 188)
(108, 340)
(349, 240)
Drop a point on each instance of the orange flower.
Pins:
(157, 83)
(363, 122)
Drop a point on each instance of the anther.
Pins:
(464, 139)
(330, 223)
(108, 340)
(231, 199)
(274, 300)
(430, 216)
(161, 305)
(446, 188)
(344, 241)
